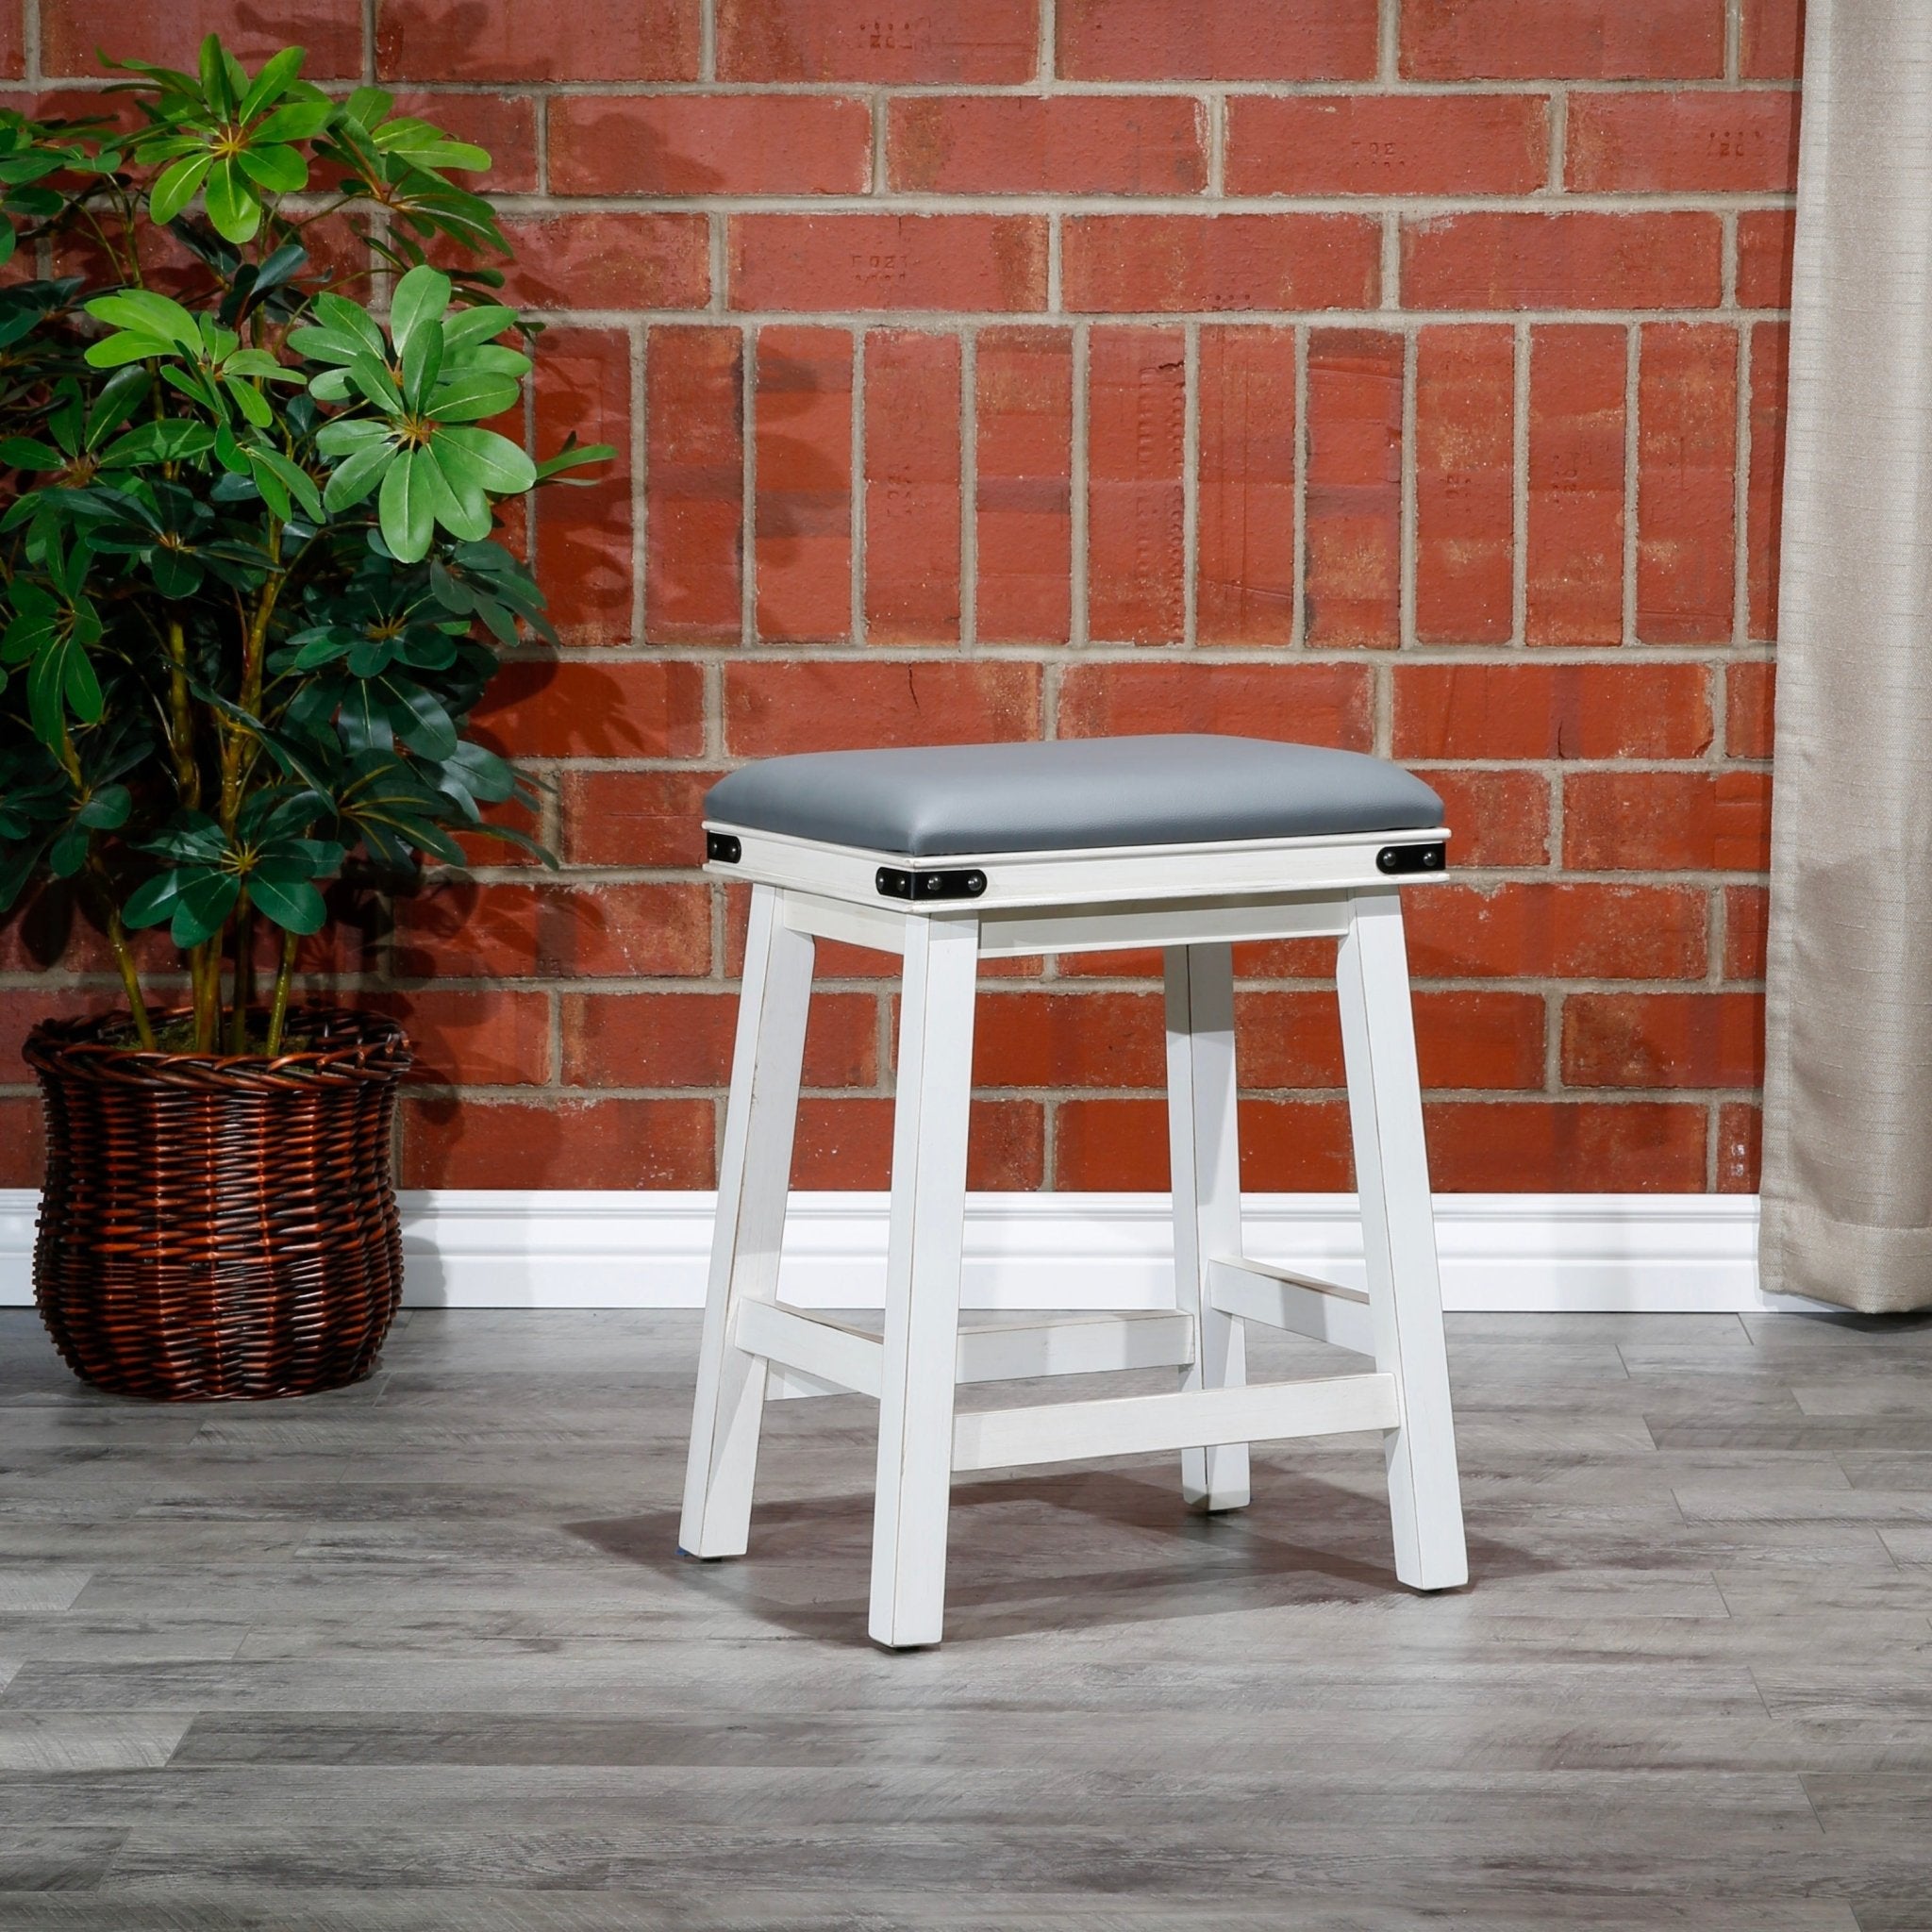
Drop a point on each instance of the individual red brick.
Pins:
(847, 1142)
(1764, 491)
(1574, 563)
(1135, 452)
(1566, 40)
(651, 708)
(1567, 931)
(1764, 259)
(1541, 711)
(1469, 1038)
(1739, 1147)
(911, 488)
(1664, 1039)
(685, 1040)
(1773, 40)
(74, 34)
(1387, 144)
(691, 145)
(1495, 818)
(1069, 1039)
(471, 932)
(1024, 379)
(12, 66)
(1465, 543)
(1353, 587)
(694, 469)
(525, 41)
(633, 818)
(570, 1142)
(888, 261)
(1541, 1146)
(1687, 464)
(1749, 687)
(1287, 1040)
(825, 706)
(22, 1151)
(1313, 704)
(1666, 820)
(1047, 144)
(583, 534)
(1697, 141)
(947, 42)
(1245, 582)
(1124, 264)
(1747, 908)
(608, 261)
(23, 1009)
(504, 124)
(496, 1039)
(1287, 1145)
(803, 505)
(1572, 260)
(1215, 40)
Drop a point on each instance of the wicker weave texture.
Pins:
(218, 1229)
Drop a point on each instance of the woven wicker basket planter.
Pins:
(217, 1229)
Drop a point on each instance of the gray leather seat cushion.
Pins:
(1071, 794)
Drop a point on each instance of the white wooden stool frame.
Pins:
(1194, 902)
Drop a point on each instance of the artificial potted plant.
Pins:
(253, 591)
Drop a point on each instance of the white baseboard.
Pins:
(1523, 1253)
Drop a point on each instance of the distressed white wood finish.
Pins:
(755, 1171)
(1143, 1424)
(1194, 903)
(1204, 1153)
(935, 1078)
(813, 1354)
(1341, 861)
(1322, 1310)
(1391, 1168)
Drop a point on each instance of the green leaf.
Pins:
(374, 379)
(468, 397)
(277, 169)
(573, 457)
(108, 809)
(493, 462)
(421, 363)
(217, 84)
(121, 396)
(326, 345)
(202, 906)
(298, 483)
(232, 205)
(68, 853)
(406, 507)
(419, 717)
(271, 83)
(152, 901)
(422, 296)
(298, 120)
(461, 507)
(338, 437)
(252, 403)
(368, 104)
(294, 905)
(23, 453)
(115, 352)
(275, 491)
(350, 319)
(354, 478)
(468, 327)
(146, 313)
(175, 185)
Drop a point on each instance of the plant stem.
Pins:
(279, 1007)
(130, 978)
(180, 719)
(205, 969)
(244, 975)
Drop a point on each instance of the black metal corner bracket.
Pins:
(895, 884)
(1413, 858)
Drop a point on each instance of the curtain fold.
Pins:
(1847, 1190)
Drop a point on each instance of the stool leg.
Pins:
(1204, 1158)
(1399, 1238)
(922, 1337)
(755, 1172)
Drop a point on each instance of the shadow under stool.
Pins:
(951, 855)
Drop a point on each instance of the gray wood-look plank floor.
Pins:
(420, 1654)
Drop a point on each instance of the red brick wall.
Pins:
(1400, 377)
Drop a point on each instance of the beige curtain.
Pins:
(1848, 1086)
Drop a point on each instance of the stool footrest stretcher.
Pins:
(1322, 1310)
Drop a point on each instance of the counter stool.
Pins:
(954, 853)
